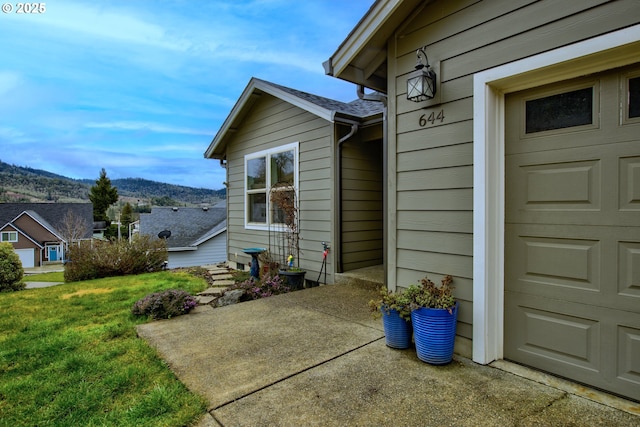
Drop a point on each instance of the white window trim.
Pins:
(10, 233)
(600, 53)
(295, 146)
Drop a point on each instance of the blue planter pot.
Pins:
(434, 333)
(397, 331)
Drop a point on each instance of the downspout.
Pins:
(379, 97)
(338, 248)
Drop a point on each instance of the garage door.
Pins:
(26, 257)
(572, 230)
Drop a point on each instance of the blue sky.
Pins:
(141, 87)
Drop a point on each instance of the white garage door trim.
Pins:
(27, 254)
(611, 50)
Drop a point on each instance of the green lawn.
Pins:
(69, 355)
(57, 276)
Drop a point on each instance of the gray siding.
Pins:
(270, 123)
(362, 219)
(434, 169)
(212, 251)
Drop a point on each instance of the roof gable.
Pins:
(37, 219)
(322, 107)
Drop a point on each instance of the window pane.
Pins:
(257, 207)
(282, 168)
(634, 97)
(560, 111)
(256, 173)
(284, 207)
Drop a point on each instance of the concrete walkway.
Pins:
(316, 358)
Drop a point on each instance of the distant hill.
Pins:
(25, 184)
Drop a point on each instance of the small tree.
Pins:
(73, 227)
(11, 271)
(102, 195)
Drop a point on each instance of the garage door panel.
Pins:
(597, 266)
(629, 270)
(553, 330)
(628, 367)
(630, 184)
(569, 187)
(575, 341)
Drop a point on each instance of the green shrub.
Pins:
(11, 271)
(97, 259)
(164, 305)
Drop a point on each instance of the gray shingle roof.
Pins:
(358, 108)
(187, 225)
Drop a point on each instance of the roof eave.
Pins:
(364, 49)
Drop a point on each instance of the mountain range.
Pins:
(25, 184)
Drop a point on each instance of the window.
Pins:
(9, 236)
(633, 103)
(559, 111)
(269, 170)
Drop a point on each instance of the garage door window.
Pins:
(634, 98)
(9, 236)
(559, 111)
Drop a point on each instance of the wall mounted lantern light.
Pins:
(421, 83)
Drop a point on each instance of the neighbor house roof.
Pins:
(362, 56)
(189, 226)
(325, 108)
(50, 215)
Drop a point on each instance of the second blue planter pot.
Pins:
(434, 333)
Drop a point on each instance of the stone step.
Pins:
(213, 292)
(221, 276)
(222, 283)
(205, 299)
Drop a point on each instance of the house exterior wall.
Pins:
(362, 204)
(25, 243)
(212, 251)
(270, 123)
(35, 230)
(431, 220)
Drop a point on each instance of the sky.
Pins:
(140, 88)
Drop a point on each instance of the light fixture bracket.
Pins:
(421, 83)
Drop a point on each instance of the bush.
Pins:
(164, 305)
(97, 259)
(11, 271)
(256, 289)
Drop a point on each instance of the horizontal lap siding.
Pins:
(272, 123)
(434, 163)
(362, 220)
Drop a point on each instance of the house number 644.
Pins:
(431, 118)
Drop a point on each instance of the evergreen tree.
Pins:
(102, 195)
(126, 216)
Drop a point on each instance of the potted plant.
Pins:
(434, 315)
(287, 234)
(396, 317)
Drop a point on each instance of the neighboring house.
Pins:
(198, 235)
(38, 231)
(329, 153)
(521, 178)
